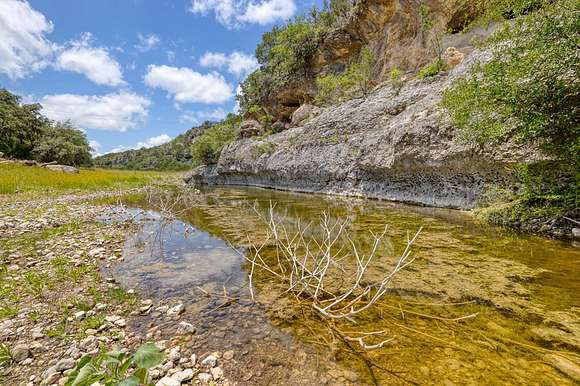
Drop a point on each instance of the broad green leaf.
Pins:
(148, 356)
(131, 381)
(86, 373)
(141, 374)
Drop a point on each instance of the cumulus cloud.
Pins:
(233, 13)
(186, 85)
(93, 62)
(112, 112)
(147, 42)
(196, 117)
(237, 63)
(95, 147)
(23, 45)
(154, 141)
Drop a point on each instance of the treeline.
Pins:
(174, 155)
(26, 134)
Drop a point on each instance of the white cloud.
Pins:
(94, 62)
(237, 63)
(233, 13)
(197, 117)
(112, 112)
(147, 43)
(154, 141)
(23, 46)
(186, 85)
(96, 147)
(170, 56)
(150, 142)
(269, 11)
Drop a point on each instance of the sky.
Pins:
(134, 73)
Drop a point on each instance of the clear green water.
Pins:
(524, 289)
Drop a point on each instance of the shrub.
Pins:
(529, 90)
(354, 82)
(432, 69)
(206, 148)
(64, 144)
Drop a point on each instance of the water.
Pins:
(525, 291)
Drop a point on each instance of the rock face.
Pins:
(394, 30)
(62, 168)
(396, 144)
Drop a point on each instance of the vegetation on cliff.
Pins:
(25, 133)
(529, 92)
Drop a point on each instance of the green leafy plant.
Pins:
(5, 354)
(206, 149)
(432, 69)
(355, 81)
(115, 367)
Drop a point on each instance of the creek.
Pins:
(478, 305)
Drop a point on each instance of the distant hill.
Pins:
(173, 155)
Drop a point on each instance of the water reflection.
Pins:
(526, 290)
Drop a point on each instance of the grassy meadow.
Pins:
(17, 178)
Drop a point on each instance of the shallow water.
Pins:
(525, 291)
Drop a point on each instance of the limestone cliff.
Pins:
(395, 144)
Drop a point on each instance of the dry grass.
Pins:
(15, 178)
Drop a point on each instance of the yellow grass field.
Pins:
(15, 178)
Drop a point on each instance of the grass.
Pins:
(15, 178)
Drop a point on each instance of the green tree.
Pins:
(530, 89)
(206, 149)
(63, 143)
(21, 125)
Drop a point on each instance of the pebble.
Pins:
(174, 354)
(65, 364)
(167, 381)
(216, 373)
(229, 355)
(177, 310)
(185, 328)
(210, 361)
(20, 353)
(183, 376)
(204, 378)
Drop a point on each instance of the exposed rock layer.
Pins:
(396, 144)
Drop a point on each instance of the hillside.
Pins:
(174, 155)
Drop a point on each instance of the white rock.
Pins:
(193, 359)
(216, 373)
(65, 364)
(177, 310)
(80, 315)
(185, 328)
(167, 381)
(183, 376)
(96, 251)
(204, 378)
(210, 361)
(174, 354)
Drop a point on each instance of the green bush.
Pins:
(284, 52)
(64, 144)
(354, 82)
(206, 148)
(528, 92)
(432, 69)
(530, 88)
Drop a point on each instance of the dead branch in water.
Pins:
(327, 271)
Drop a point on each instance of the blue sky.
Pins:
(133, 73)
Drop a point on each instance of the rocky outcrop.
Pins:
(397, 33)
(396, 144)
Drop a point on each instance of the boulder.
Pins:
(453, 56)
(303, 113)
(63, 168)
(250, 128)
